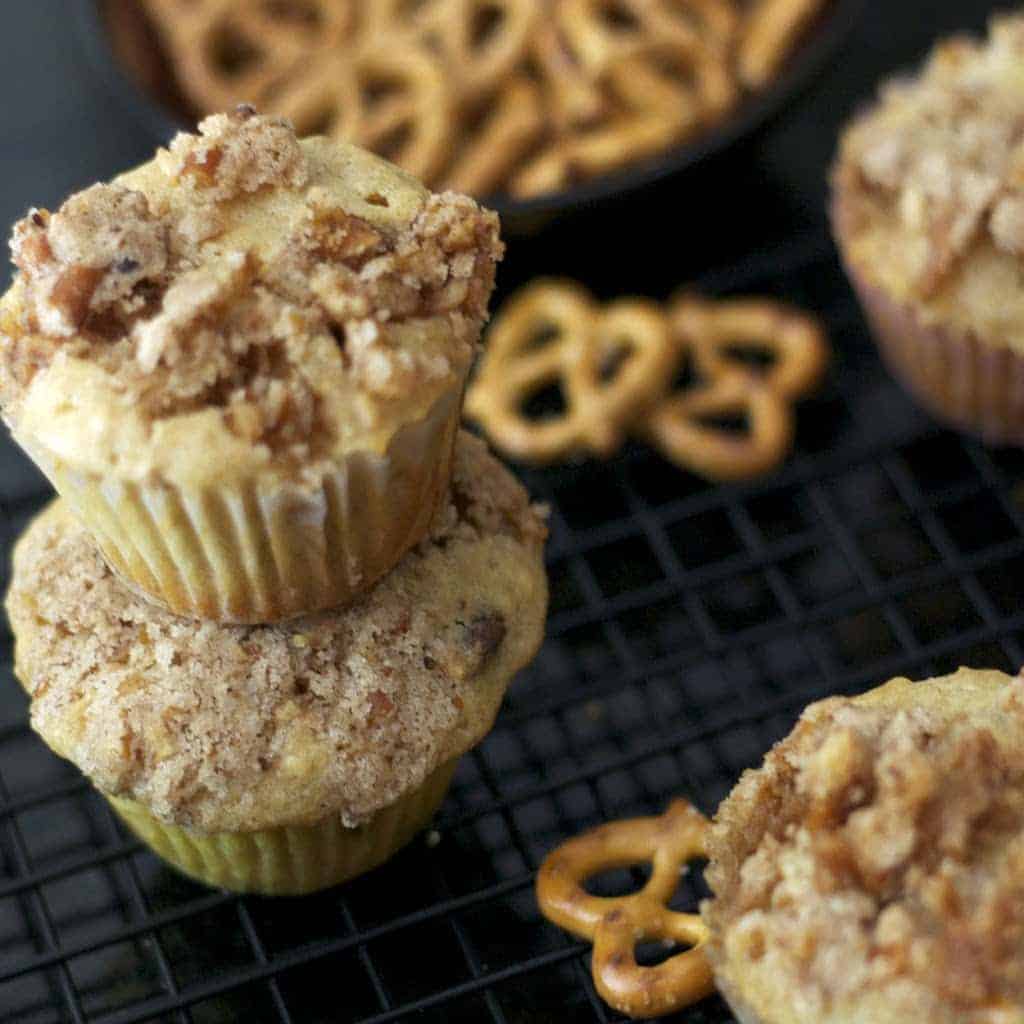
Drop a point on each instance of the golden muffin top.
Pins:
(929, 183)
(269, 300)
(246, 727)
(872, 870)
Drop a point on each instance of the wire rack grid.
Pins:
(689, 624)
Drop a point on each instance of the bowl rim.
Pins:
(832, 25)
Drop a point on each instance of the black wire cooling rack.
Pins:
(689, 624)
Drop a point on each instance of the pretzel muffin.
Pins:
(928, 213)
(872, 870)
(242, 364)
(284, 758)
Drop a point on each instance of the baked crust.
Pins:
(226, 728)
(873, 868)
(286, 300)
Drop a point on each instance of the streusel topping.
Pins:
(941, 158)
(877, 859)
(224, 728)
(296, 287)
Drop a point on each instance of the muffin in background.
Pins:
(284, 758)
(871, 871)
(928, 214)
(242, 364)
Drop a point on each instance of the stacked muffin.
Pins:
(280, 593)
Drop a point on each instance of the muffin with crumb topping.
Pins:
(928, 214)
(242, 364)
(871, 871)
(284, 758)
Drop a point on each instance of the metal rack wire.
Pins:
(689, 624)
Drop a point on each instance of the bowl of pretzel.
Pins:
(539, 107)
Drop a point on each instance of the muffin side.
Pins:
(225, 728)
(869, 870)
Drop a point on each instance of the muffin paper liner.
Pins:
(292, 860)
(960, 379)
(251, 552)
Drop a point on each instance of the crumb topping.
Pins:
(223, 727)
(236, 153)
(880, 852)
(942, 155)
(139, 283)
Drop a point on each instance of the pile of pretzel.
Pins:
(522, 97)
(710, 383)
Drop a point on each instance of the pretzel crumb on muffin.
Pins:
(234, 728)
(873, 867)
(125, 278)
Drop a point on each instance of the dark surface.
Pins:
(688, 624)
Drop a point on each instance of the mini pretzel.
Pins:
(712, 330)
(682, 427)
(608, 363)
(443, 87)
(489, 153)
(770, 29)
(480, 63)
(233, 51)
(390, 96)
(616, 924)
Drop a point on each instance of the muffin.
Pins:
(928, 214)
(872, 870)
(242, 364)
(284, 758)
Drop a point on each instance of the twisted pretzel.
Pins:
(714, 334)
(510, 128)
(390, 96)
(616, 924)
(718, 332)
(232, 51)
(607, 363)
(683, 427)
(521, 96)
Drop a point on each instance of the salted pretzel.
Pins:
(232, 51)
(517, 96)
(615, 924)
(514, 123)
(607, 363)
(390, 96)
(600, 31)
(481, 61)
(769, 31)
(686, 425)
(719, 331)
(621, 141)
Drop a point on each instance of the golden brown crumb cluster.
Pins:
(141, 285)
(223, 728)
(879, 854)
(943, 154)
